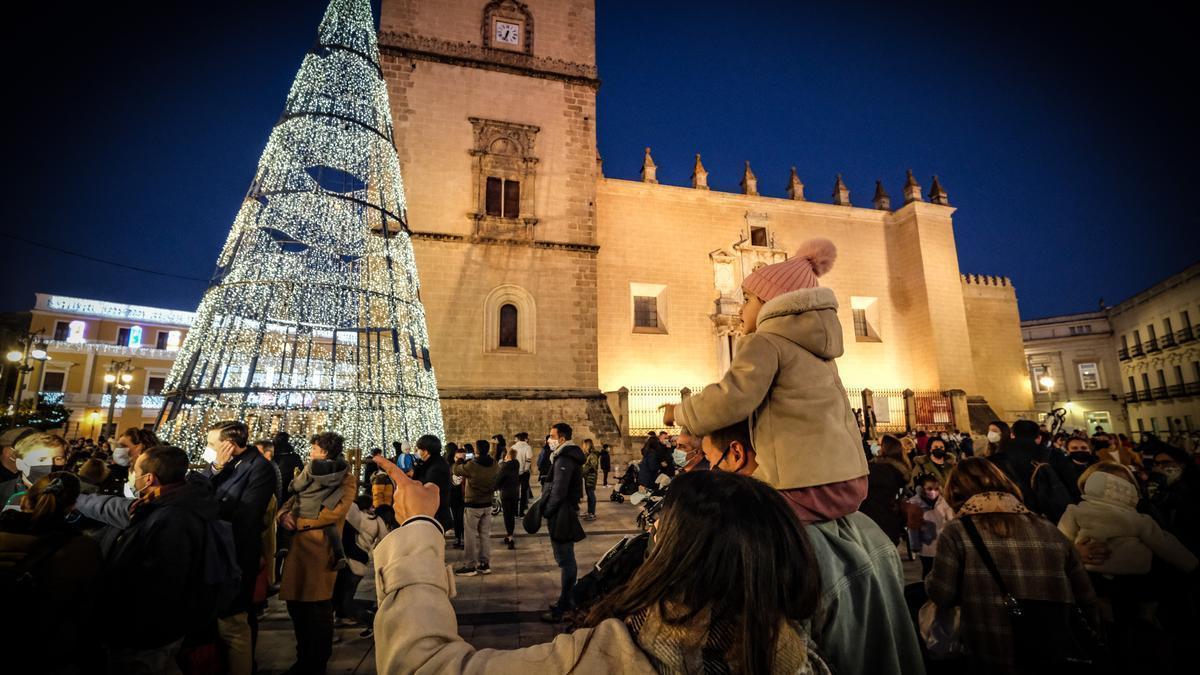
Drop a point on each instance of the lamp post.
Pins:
(118, 375)
(31, 346)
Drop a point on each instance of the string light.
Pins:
(313, 319)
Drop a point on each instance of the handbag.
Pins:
(532, 522)
(941, 631)
(1048, 636)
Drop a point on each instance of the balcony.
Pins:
(1192, 389)
(1131, 397)
(1176, 390)
(1168, 341)
(1185, 335)
(1137, 351)
(1144, 395)
(1160, 392)
(148, 402)
(1123, 354)
(1152, 345)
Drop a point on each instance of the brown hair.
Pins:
(93, 471)
(891, 447)
(40, 440)
(169, 464)
(232, 431)
(50, 498)
(976, 475)
(138, 436)
(1112, 468)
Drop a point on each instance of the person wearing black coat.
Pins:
(159, 554)
(508, 482)
(434, 469)
(244, 482)
(886, 481)
(605, 462)
(289, 463)
(562, 513)
(1018, 459)
(457, 497)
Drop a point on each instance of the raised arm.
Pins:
(738, 394)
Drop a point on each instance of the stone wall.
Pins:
(996, 347)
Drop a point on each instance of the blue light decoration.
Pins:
(135, 337)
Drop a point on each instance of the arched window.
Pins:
(508, 325)
(509, 321)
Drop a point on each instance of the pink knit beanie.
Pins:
(814, 258)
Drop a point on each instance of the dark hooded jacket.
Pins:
(157, 563)
(566, 489)
(480, 474)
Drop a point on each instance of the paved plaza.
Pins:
(497, 611)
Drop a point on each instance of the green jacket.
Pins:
(591, 466)
(481, 474)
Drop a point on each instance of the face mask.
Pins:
(34, 472)
(940, 453)
(874, 449)
(1080, 456)
(121, 456)
(993, 437)
(131, 489)
(1171, 473)
(553, 443)
(210, 455)
(680, 457)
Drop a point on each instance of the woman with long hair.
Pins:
(727, 585)
(1035, 560)
(998, 435)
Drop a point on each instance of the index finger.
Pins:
(394, 472)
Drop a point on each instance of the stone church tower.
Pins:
(494, 106)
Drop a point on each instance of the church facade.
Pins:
(533, 264)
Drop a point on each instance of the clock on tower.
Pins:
(507, 33)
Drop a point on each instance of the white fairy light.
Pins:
(313, 319)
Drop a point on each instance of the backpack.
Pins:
(1050, 496)
(21, 585)
(221, 573)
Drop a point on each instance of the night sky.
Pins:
(1061, 135)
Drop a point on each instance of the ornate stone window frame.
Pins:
(504, 150)
(510, 294)
(509, 11)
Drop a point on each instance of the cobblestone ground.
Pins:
(499, 610)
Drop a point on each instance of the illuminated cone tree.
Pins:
(313, 320)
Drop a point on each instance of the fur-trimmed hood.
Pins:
(807, 317)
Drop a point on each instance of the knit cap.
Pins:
(814, 258)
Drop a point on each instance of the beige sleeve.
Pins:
(738, 394)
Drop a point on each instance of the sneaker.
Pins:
(589, 516)
(345, 622)
(465, 571)
(369, 632)
(512, 545)
(484, 568)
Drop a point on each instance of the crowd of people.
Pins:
(775, 546)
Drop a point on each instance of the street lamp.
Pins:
(31, 346)
(1047, 382)
(118, 375)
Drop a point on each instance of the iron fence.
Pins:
(644, 401)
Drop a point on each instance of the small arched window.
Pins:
(508, 325)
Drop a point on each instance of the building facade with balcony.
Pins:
(1157, 334)
(85, 338)
(1073, 365)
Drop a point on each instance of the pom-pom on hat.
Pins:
(814, 258)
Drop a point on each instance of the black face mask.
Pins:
(721, 461)
(939, 453)
(1080, 456)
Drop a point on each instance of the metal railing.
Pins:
(1137, 350)
(1185, 334)
(644, 413)
(1176, 390)
(1123, 354)
(1159, 392)
(1168, 341)
(1152, 345)
(1132, 397)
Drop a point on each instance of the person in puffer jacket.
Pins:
(784, 379)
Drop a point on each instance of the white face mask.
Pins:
(210, 454)
(874, 449)
(120, 456)
(993, 437)
(131, 490)
(553, 443)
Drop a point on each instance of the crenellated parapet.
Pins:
(985, 280)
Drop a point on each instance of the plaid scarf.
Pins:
(701, 646)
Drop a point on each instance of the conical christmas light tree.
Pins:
(313, 319)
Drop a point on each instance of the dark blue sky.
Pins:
(134, 129)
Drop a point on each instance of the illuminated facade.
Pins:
(1073, 365)
(85, 337)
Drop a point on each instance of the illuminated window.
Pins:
(508, 325)
(174, 338)
(75, 332)
(645, 312)
(1038, 372)
(860, 322)
(1089, 376)
(865, 312)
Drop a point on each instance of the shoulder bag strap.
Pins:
(973, 533)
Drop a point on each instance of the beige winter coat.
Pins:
(784, 379)
(416, 629)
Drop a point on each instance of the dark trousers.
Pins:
(526, 492)
(313, 624)
(564, 556)
(509, 505)
(605, 472)
(591, 498)
(926, 565)
(343, 594)
(457, 510)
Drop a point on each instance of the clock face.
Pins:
(507, 33)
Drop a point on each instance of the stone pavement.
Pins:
(499, 610)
